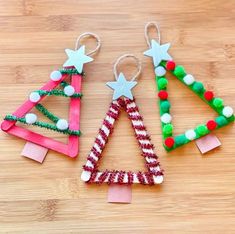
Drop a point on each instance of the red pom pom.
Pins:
(170, 65)
(163, 95)
(211, 125)
(208, 95)
(169, 142)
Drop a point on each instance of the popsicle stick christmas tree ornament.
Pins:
(123, 100)
(65, 82)
(163, 62)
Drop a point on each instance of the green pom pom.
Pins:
(162, 83)
(179, 72)
(180, 140)
(202, 130)
(198, 87)
(165, 106)
(221, 121)
(218, 102)
(168, 129)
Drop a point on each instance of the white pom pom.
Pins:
(158, 179)
(190, 134)
(166, 118)
(69, 90)
(188, 79)
(56, 75)
(34, 97)
(227, 111)
(30, 118)
(62, 124)
(85, 176)
(160, 71)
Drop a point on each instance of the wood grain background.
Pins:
(198, 195)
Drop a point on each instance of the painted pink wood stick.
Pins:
(74, 116)
(38, 139)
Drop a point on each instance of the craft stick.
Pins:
(74, 116)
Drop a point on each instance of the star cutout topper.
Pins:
(158, 52)
(122, 87)
(77, 58)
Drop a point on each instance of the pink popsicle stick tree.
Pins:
(65, 82)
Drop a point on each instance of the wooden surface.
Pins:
(198, 195)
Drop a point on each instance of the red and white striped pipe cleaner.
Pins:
(153, 175)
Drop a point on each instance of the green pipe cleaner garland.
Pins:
(44, 125)
(57, 92)
(71, 71)
(63, 84)
(47, 113)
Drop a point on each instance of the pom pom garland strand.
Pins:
(199, 87)
(44, 125)
(225, 113)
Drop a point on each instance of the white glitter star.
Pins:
(122, 87)
(77, 58)
(158, 52)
